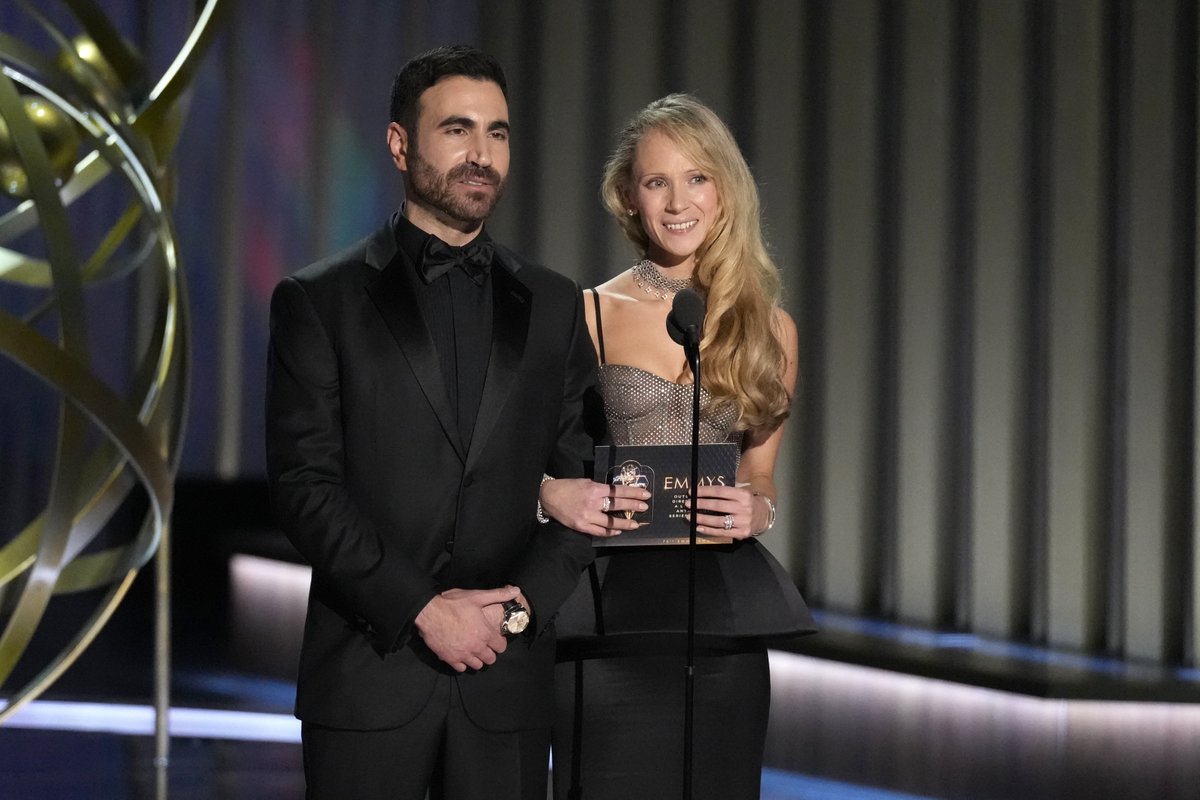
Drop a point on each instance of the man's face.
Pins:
(457, 160)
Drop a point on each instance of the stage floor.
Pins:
(233, 734)
(89, 765)
(237, 611)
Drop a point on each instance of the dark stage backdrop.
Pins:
(985, 213)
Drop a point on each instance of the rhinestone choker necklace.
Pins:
(650, 280)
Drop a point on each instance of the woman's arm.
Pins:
(580, 504)
(584, 505)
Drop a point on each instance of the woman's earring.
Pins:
(632, 212)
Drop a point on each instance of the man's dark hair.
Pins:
(430, 67)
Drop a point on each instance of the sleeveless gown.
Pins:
(620, 681)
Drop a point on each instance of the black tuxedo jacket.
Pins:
(372, 484)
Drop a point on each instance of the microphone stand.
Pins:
(692, 349)
(683, 326)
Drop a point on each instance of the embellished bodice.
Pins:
(644, 408)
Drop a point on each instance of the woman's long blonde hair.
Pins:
(742, 356)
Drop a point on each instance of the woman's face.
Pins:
(676, 201)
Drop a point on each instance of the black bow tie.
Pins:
(438, 258)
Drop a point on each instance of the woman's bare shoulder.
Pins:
(785, 328)
(616, 291)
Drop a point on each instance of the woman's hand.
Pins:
(590, 507)
(734, 512)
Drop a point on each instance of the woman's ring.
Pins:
(606, 506)
(729, 522)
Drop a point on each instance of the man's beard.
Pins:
(437, 190)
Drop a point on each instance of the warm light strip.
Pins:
(269, 577)
(1143, 729)
(196, 723)
(247, 726)
(973, 643)
(786, 668)
(797, 679)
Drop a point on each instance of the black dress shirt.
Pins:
(459, 315)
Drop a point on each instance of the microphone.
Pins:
(685, 319)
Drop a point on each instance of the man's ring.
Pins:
(606, 506)
(729, 522)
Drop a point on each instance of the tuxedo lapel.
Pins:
(394, 294)
(510, 328)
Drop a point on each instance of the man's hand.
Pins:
(456, 628)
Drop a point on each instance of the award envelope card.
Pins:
(665, 470)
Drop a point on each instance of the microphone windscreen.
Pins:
(686, 317)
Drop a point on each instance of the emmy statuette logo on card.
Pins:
(636, 474)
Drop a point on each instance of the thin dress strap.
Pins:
(599, 327)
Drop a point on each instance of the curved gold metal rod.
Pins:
(178, 76)
(103, 568)
(93, 397)
(112, 415)
(116, 147)
(67, 480)
(142, 445)
(77, 645)
(153, 121)
(105, 468)
(73, 379)
(119, 149)
(131, 72)
(90, 170)
(76, 382)
(128, 65)
(100, 265)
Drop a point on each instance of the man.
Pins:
(420, 385)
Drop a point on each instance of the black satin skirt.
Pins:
(631, 726)
(620, 680)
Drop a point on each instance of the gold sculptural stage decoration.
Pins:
(80, 117)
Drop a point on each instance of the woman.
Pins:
(684, 196)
